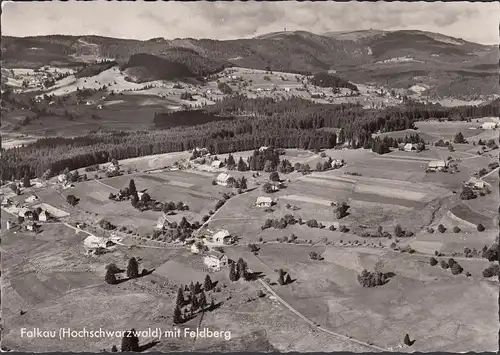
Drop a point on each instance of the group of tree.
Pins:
(372, 279)
(194, 296)
(340, 209)
(291, 123)
(281, 223)
(72, 200)
(239, 270)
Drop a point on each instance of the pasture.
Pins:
(419, 297)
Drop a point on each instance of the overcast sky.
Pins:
(476, 22)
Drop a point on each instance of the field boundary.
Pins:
(460, 220)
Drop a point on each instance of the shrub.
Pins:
(441, 228)
(430, 230)
(332, 227)
(456, 229)
(314, 256)
(444, 264)
(433, 261)
(456, 269)
(312, 223)
(492, 270)
(451, 262)
(480, 227)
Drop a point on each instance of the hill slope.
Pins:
(397, 58)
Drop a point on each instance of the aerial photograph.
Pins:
(249, 176)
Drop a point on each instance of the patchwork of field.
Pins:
(420, 297)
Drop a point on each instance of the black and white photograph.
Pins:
(249, 176)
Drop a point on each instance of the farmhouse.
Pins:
(93, 242)
(409, 147)
(31, 198)
(337, 163)
(264, 201)
(25, 213)
(437, 165)
(216, 261)
(62, 178)
(476, 183)
(222, 237)
(163, 222)
(6, 201)
(217, 164)
(43, 216)
(223, 178)
(32, 227)
(10, 225)
(489, 125)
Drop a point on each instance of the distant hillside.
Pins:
(382, 57)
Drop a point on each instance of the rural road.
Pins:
(491, 172)
(313, 324)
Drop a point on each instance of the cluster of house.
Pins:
(489, 125)
(212, 258)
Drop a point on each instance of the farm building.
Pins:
(43, 216)
(262, 149)
(436, 165)
(217, 164)
(216, 261)
(264, 201)
(62, 178)
(163, 222)
(223, 178)
(31, 198)
(337, 163)
(6, 201)
(10, 225)
(32, 227)
(489, 125)
(476, 183)
(222, 237)
(113, 168)
(409, 147)
(99, 107)
(93, 242)
(25, 213)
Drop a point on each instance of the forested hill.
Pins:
(251, 123)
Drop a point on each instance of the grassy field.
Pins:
(329, 293)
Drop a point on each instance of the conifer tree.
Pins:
(110, 277)
(281, 277)
(233, 275)
(132, 269)
(180, 297)
(207, 285)
(177, 315)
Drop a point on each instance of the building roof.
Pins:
(23, 211)
(216, 163)
(216, 255)
(93, 241)
(221, 234)
(437, 163)
(264, 199)
(223, 176)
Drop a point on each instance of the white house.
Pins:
(217, 164)
(489, 125)
(31, 198)
(477, 183)
(43, 216)
(216, 261)
(222, 237)
(337, 163)
(99, 107)
(222, 179)
(62, 178)
(437, 165)
(264, 201)
(163, 222)
(409, 147)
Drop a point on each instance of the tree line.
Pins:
(292, 123)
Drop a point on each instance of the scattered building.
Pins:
(437, 165)
(409, 147)
(94, 244)
(32, 227)
(6, 202)
(217, 164)
(163, 222)
(476, 183)
(43, 216)
(222, 237)
(216, 261)
(489, 125)
(264, 201)
(223, 178)
(62, 178)
(31, 198)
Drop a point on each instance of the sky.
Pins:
(476, 22)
